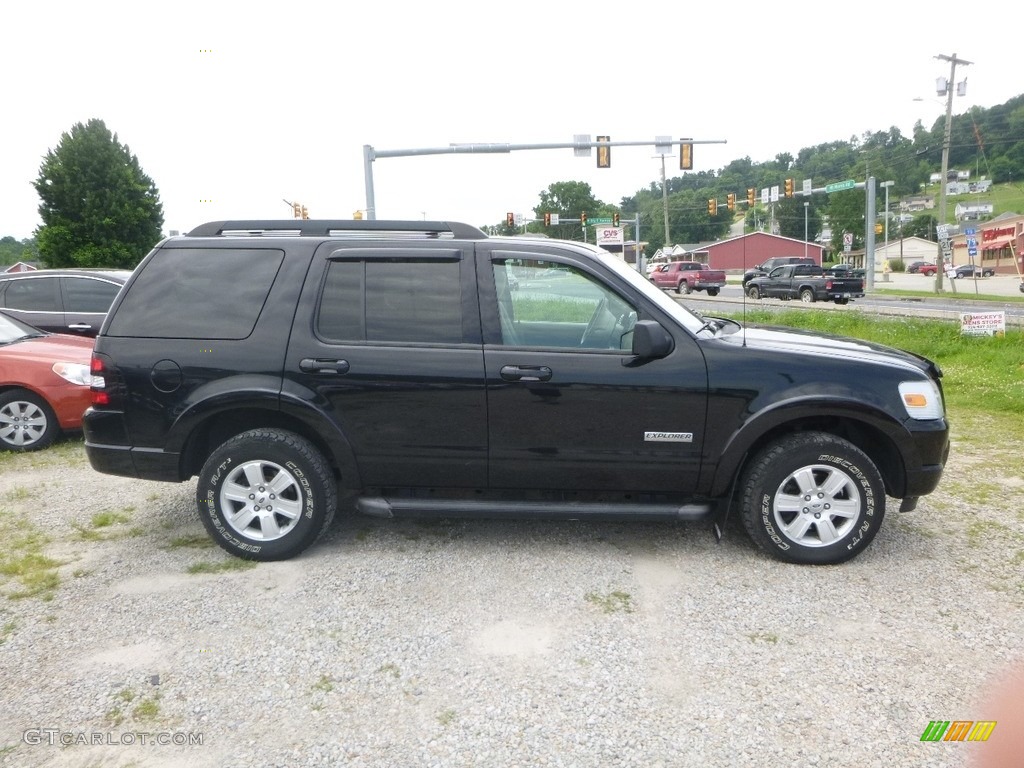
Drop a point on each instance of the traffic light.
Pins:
(583, 219)
(510, 219)
(615, 219)
(731, 201)
(686, 156)
(305, 213)
(751, 196)
(547, 219)
(789, 187)
(297, 210)
(712, 207)
(604, 154)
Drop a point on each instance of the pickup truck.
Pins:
(807, 283)
(689, 276)
(762, 269)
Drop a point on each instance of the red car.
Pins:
(44, 384)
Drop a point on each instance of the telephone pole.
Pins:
(953, 61)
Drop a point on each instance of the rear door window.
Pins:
(404, 300)
(34, 294)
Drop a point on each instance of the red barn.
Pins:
(743, 252)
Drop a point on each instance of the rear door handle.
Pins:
(525, 373)
(80, 327)
(320, 365)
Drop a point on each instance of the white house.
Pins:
(972, 211)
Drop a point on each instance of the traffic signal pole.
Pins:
(370, 155)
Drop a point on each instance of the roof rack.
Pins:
(335, 227)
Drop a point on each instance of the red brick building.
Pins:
(744, 251)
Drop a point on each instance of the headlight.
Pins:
(76, 373)
(921, 399)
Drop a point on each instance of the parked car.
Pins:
(973, 270)
(917, 266)
(1021, 286)
(61, 300)
(391, 363)
(927, 269)
(44, 384)
(845, 270)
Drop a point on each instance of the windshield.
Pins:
(12, 330)
(685, 317)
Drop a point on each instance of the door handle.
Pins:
(526, 373)
(79, 327)
(319, 365)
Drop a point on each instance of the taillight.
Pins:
(98, 385)
(828, 285)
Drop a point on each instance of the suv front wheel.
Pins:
(266, 494)
(812, 498)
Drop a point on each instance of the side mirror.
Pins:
(650, 342)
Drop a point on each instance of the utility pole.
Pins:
(953, 61)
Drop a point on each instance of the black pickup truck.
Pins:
(807, 283)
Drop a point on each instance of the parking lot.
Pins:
(455, 643)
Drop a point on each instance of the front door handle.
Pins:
(526, 373)
(319, 365)
(80, 327)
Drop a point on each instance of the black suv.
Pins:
(762, 269)
(427, 369)
(71, 301)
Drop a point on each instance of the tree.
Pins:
(98, 207)
(568, 199)
(13, 250)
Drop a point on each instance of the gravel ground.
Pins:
(482, 643)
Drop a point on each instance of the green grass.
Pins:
(613, 602)
(22, 560)
(555, 310)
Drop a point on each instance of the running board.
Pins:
(380, 506)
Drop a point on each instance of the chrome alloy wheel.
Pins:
(261, 500)
(22, 423)
(817, 505)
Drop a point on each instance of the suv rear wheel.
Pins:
(266, 494)
(812, 498)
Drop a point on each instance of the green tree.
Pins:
(12, 250)
(98, 207)
(568, 199)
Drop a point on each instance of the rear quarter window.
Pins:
(198, 293)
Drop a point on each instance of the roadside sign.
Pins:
(983, 324)
(609, 236)
(774, 193)
(598, 221)
(554, 219)
(519, 219)
(764, 196)
(581, 138)
(839, 186)
(807, 187)
(847, 242)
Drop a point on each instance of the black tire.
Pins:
(27, 422)
(807, 296)
(754, 293)
(712, 291)
(247, 476)
(841, 487)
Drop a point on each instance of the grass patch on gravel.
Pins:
(7, 630)
(22, 560)
(613, 602)
(191, 541)
(108, 525)
(234, 564)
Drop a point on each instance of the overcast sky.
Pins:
(233, 107)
